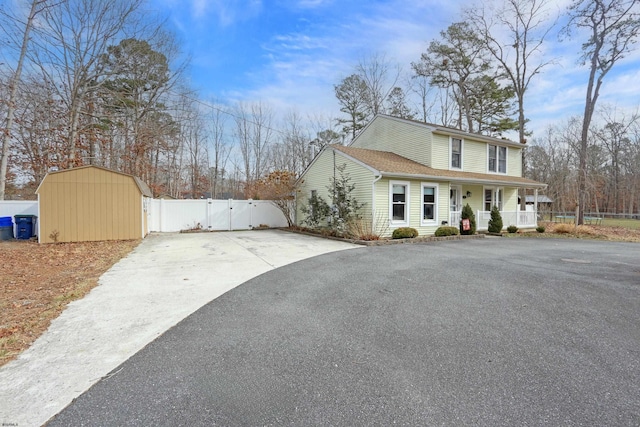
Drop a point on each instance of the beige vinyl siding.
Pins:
(476, 201)
(475, 156)
(415, 205)
(89, 204)
(407, 139)
(381, 215)
(510, 202)
(514, 161)
(318, 177)
(440, 151)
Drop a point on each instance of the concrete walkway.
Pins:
(166, 278)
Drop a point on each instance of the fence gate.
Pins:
(241, 214)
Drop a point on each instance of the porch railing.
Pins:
(521, 219)
(454, 218)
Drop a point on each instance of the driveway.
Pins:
(165, 279)
(480, 332)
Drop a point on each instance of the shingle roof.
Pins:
(391, 164)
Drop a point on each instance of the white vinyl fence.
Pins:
(208, 214)
(176, 215)
(18, 207)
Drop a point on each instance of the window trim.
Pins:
(407, 203)
(451, 167)
(434, 221)
(506, 159)
(494, 196)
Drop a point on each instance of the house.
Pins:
(91, 203)
(412, 174)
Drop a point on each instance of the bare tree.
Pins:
(611, 30)
(220, 150)
(527, 25)
(37, 6)
(419, 84)
(254, 135)
(70, 42)
(380, 78)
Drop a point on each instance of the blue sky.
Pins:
(290, 53)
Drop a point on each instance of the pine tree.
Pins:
(467, 213)
(495, 223)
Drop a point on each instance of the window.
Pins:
(492, 197)
(497, 159)
(456, 153)
(313, 200)
(399, 209)
(429, 204)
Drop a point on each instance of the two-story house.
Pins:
(409, 173)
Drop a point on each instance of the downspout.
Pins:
(373, 202)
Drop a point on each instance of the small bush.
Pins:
(404, 233)
(540, 229)
(495, 223)
(446, 231)
(512, 229)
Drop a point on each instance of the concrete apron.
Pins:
(165, 279)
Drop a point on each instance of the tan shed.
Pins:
(91, 203)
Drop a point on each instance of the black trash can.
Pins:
(25, 226)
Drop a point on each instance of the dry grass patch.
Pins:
(599, 232)
(38, 281)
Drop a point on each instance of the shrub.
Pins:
(446, 231)
(540, 229)
(366, 229)
(404, 233)
(467, 213)
(495, 223)
(564, 228)
(512, 229)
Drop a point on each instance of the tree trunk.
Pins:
(6, 139)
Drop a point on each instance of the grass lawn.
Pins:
(633, 224)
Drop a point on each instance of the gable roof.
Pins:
(443, 130)
(142, 186)
(390, 164)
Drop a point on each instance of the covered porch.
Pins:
(483, 196)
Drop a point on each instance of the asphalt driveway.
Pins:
(481, 332)
(165, 279)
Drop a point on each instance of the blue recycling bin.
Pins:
(6, 228)
(25, 226)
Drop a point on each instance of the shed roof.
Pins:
(541, 199)
(142, 186)
(390, 164)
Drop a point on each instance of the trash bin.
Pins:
(25, 226)
(6, 228)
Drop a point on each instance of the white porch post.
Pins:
(535, 201)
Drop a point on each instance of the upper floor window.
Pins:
(497, 159)
(456, 153)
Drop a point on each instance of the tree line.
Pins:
(103, 83)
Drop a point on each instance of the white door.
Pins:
(241, 214)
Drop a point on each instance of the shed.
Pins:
(91, 203)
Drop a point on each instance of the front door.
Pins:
(454, 199)
(455, 205)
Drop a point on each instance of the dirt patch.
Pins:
(38, 281)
